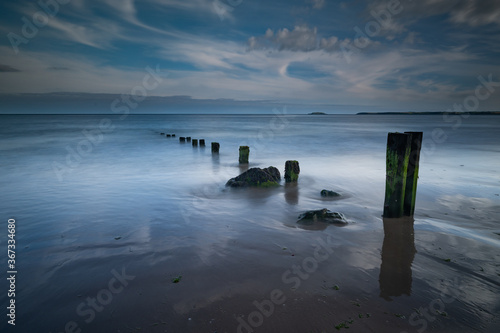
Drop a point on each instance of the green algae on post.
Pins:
(195, 142)
(244, 153)
(403, 154)
(412, 173)
(398, 154)
(292, 171)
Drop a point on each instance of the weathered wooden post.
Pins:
(195, 142)
(401, 175)
(168, 135)
(173, 135)
(215, 147)
(292, 171)
(188, 139)
(202, 142)
(162, 133)
(412, 174)
(398, 154)
(182, 139)
(244, 153)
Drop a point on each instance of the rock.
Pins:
(256, 177)
(292, 171)
(322, 215)
(326, 193)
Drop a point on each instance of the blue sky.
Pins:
(333, 56)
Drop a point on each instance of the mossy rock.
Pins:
(327, 193)
(257, 177)
(322, 215)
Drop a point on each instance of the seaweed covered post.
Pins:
(412, 173)
(195, 142)
(398, 155)
(182, 139)
(188, 139)
(202, 142)
(244, 153)
(215, 147)
(292, 171)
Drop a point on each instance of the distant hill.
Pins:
(480, 113)
(317, 113)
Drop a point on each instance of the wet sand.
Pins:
(394, 278)
(100, 249)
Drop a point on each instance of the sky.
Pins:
(172, 56)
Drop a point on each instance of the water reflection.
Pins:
(215, 163)
(398, 251)
(292, 193)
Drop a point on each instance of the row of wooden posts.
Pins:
(195, 142)
(402, 164)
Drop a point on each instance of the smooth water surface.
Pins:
(94, 196)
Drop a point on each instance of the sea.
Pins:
(113, 218)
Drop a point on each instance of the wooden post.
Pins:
(292, 171)
(398, 155)
(195, 142)
(168, 135)
(173, 135)
(188, 139)
(182, 139)
(215, 147)
(202, 142)
(412, 174)
(162, 133)
(244, 153)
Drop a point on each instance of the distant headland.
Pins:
(480, 113)
(316, 113)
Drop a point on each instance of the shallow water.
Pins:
(91, 200)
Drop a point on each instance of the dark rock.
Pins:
(326, 193)
(256, 177)
(322, 215)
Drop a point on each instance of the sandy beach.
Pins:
(142, 235)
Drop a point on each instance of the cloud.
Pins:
(469, 12)
(301, 38)
(6, 68)
(476, 13)
(318, 4)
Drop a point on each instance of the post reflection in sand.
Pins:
(398, 251)
(292, 193)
